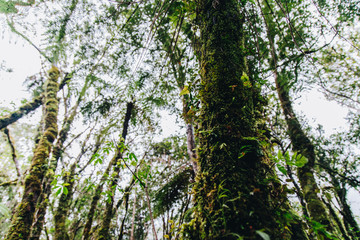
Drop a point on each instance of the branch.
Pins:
(12, 27)
(5, 184)
(28, 107)
(23, 110)
(13, 152)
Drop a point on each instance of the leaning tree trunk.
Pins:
(234, 191)
(23, 219)
(57, 153)
(300, 142)
(109, 209)
(348, 217)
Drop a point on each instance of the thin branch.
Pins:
(13, 151)
(12, 27)
(8, 183)
(333, 28)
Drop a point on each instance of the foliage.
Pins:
(162, 56)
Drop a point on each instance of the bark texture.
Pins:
(22, 221)
(236, 188)
(57, 153)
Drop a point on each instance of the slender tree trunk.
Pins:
(348, 217)
(180, 76)
(125, 199)
(300, 142)
(21, 224)
(109, 209)
(133, 218)
(337, 220)
(150, 211)
(94, 201)
(235, 189)
(62, 210)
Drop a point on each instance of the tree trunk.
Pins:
(56, 155)
(235, 182)
(109, 209)
(62, 210)
(21, 223)
(300, 142)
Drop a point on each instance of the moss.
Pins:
(232, 195)
(23, 219)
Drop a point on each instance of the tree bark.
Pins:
(21, 223)
(57, 153)
(236, 187)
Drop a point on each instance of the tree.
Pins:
(212, 65)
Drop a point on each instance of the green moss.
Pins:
(232, 196)
(23, 219)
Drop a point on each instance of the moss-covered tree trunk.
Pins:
(62, 211)
(23, 219)
(57, 153)
(350, 223)
(235, 182)
(94, 201)
(302, 144)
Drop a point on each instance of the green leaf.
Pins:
(281, 169)
(54, 182)
(58, 192)
(185, 91)
(300, 160)
(65, 190)
(244, 77)
(263, 235)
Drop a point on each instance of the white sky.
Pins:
(24, 61)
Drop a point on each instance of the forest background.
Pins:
(108, 171)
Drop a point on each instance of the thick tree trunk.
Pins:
(235, 182)
(21, 224)
(56, 155)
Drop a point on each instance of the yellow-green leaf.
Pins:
(185, 91)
